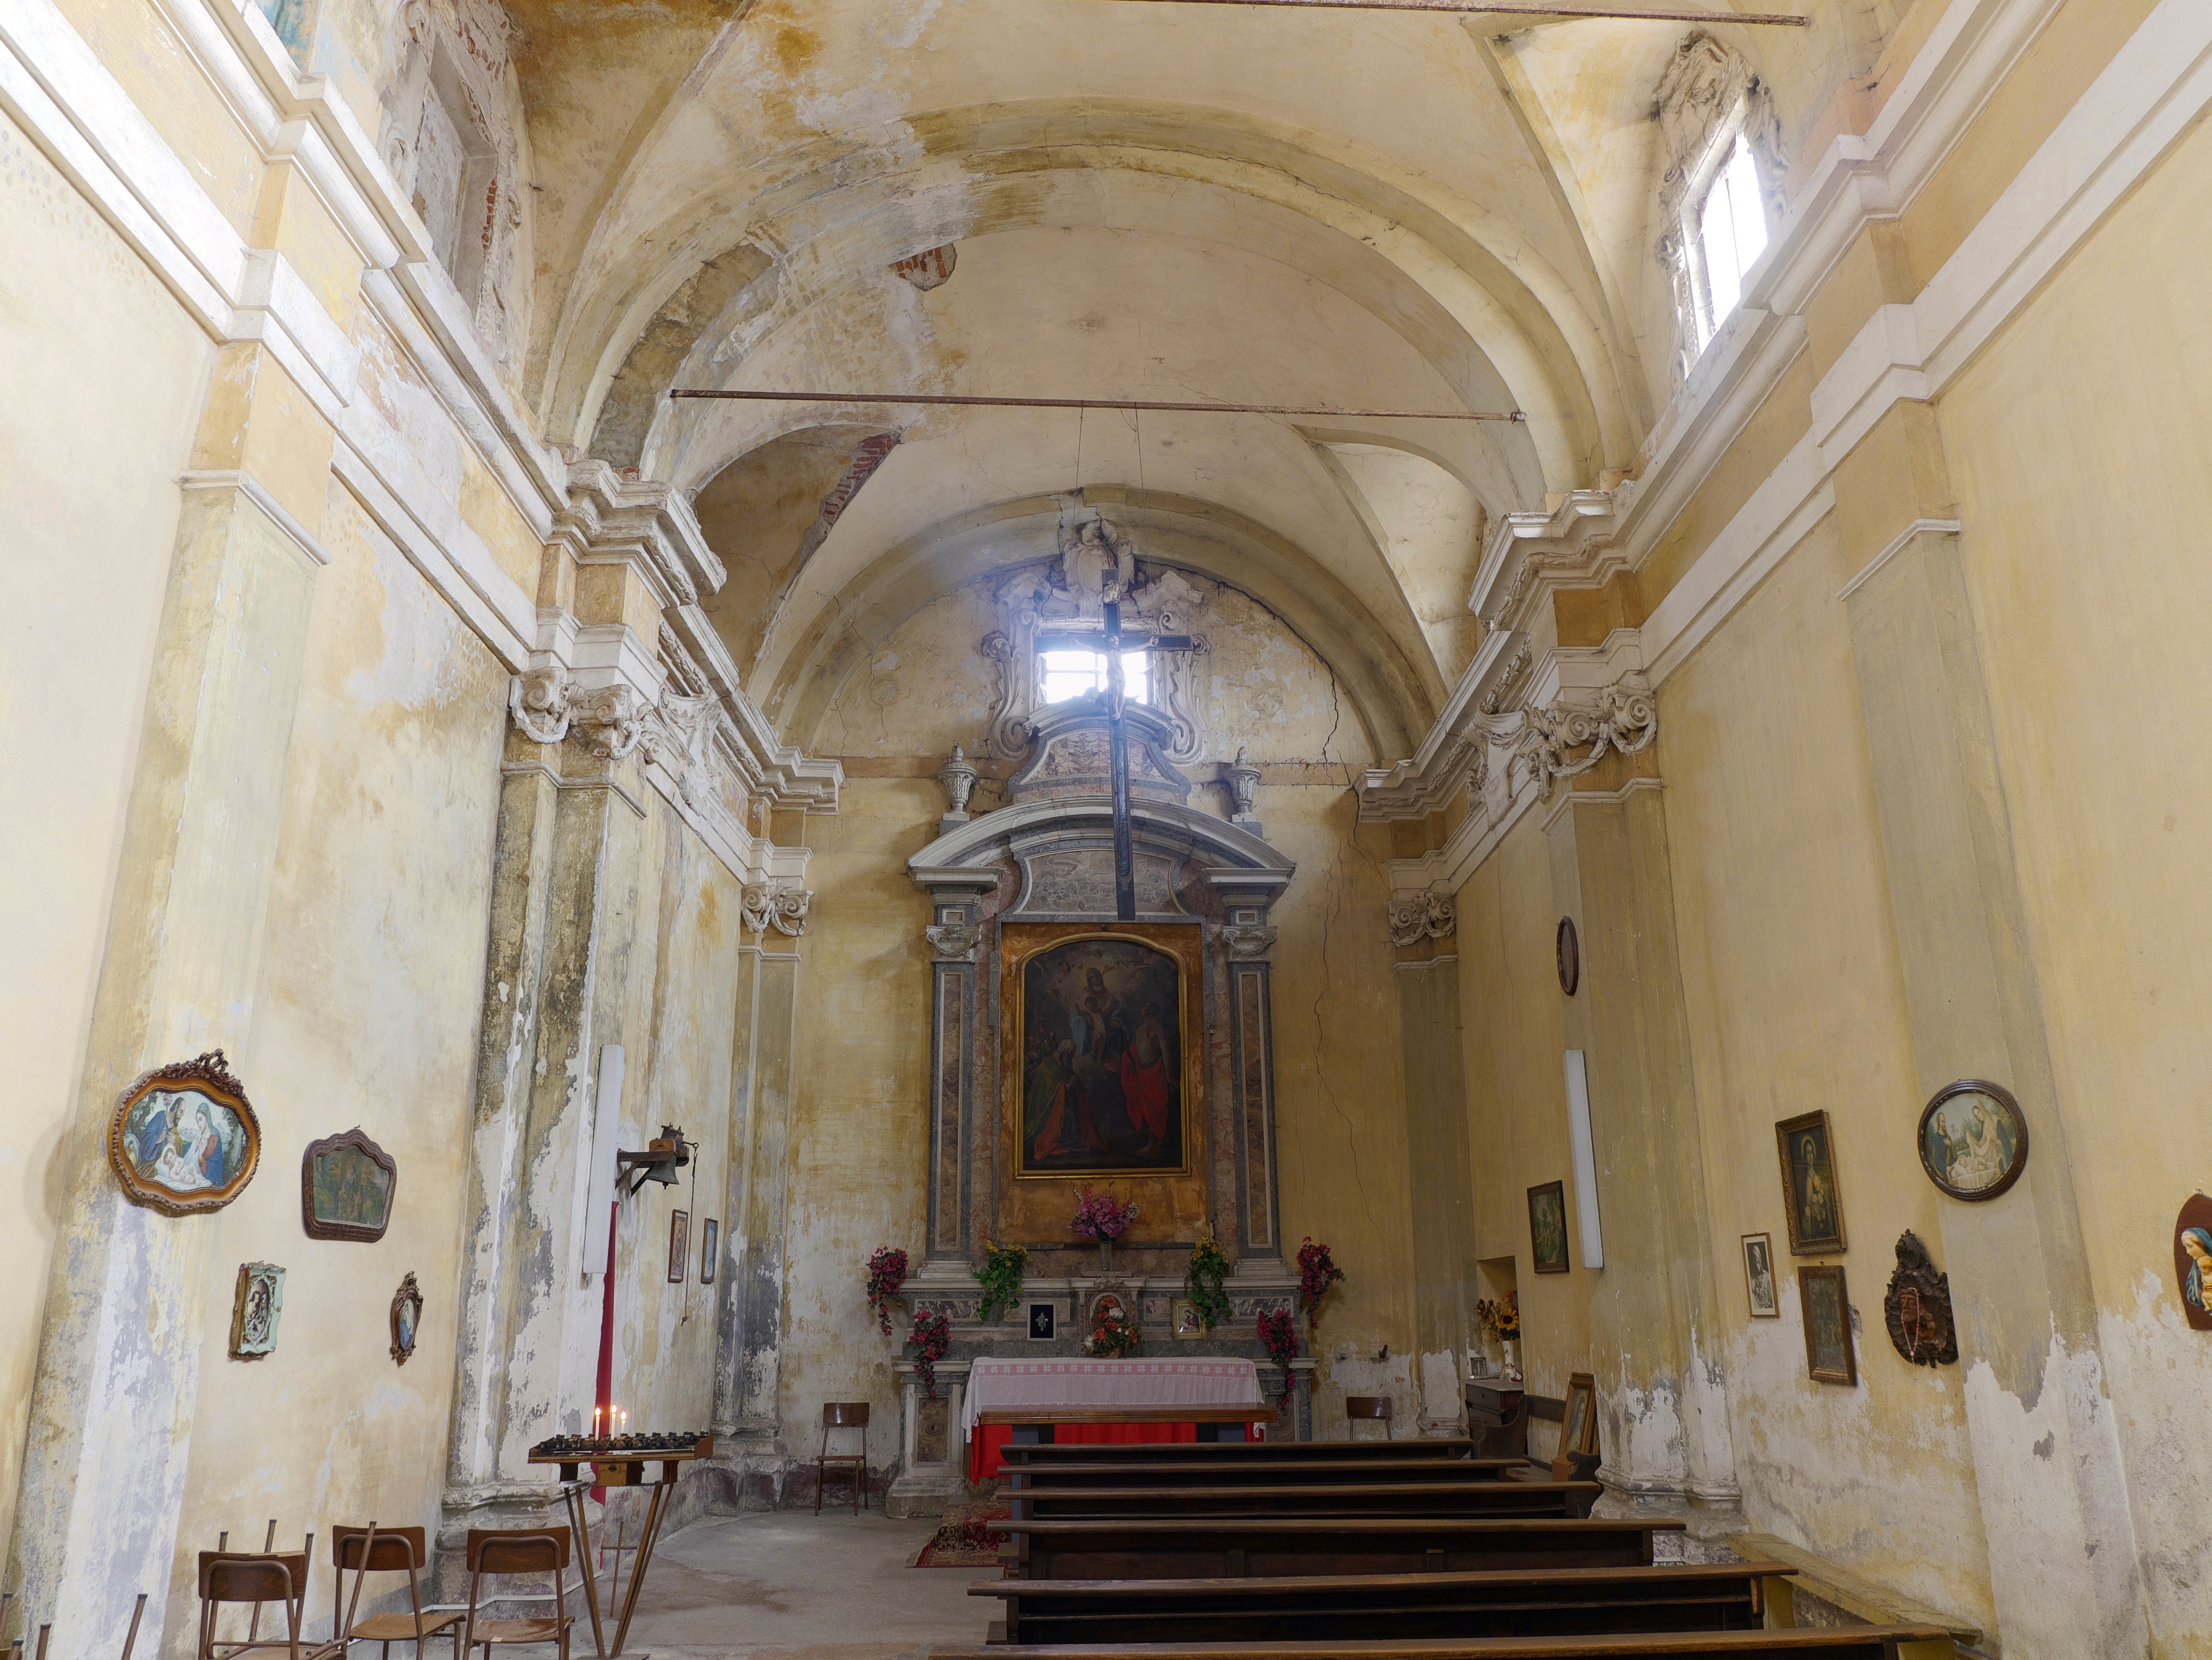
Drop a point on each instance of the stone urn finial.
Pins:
(958, 777)
(1243, 790)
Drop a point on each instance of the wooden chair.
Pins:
(227, 1577)
(1358, 1406)
(393, 1550)
(843, 1414)
(501, 1551)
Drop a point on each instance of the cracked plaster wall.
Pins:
(86, 530)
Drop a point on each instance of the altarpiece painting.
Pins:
(1101, 1030)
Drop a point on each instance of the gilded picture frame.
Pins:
(184, 1139)
(348, 1187)
(1141, 993)
(1812, 1195)
(1547, 1228)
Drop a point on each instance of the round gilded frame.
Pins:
(210, 1077)
(2003, 1098)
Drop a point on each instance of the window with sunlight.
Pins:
(1731, 231)
(1065, 672)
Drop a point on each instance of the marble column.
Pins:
(1654, 1329)
(118, 1377)
(2047, 1460)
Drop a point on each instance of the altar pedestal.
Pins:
(1116, 1401)
(934, 1448)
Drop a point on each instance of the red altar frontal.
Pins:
(1090, 1402)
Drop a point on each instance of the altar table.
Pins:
(1092, 1392)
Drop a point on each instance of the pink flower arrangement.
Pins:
(1102, 1216)
(932, 1337)
(886, 1274)
(1317, 1272)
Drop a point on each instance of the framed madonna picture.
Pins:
(1812, 1201)
(184, 1139)
(1974, 1140)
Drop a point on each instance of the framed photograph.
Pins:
(680, 1246)
(1829, 1355)
(1185, 1318)
(1044, 1322)
(255, 1310)
(2192, 1260)
(1547, 1227)
(183, 1138)
(1759, 1277)
(406, 1317)
(1974, 1140)
(347, 1183)
(1579, 1423)
(1812, 1201)
(710, 1249)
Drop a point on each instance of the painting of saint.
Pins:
(1102, 1059)
(1973, 1142)
(1547, 1227)
(2192, 1261)
(1813, 1201)
(183, 1141)
(347, 1186)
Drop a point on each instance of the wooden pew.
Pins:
(1110, 1452)
(1271, 1547)
(1252, 1472)
(1332, 1499)
(1532, 1602)
(1830, 1643)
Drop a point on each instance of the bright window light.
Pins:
(1066, 672)
(1732, 227)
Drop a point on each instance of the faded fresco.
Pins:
(1102, 1059)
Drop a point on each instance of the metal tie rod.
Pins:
(966, 401)
(1536, 9)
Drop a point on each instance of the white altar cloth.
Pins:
(995, 1385)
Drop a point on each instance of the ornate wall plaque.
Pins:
(347, 1187)
(1917, 1306)
(406, 1317)
(255, 1310)
(183, 1138)
(1974, 1139)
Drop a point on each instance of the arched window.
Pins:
(1069, 670)
(1729, 230)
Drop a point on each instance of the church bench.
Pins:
(1830, 1643)
(1440, 1499)
(1110, 1452)
(1253, 1472)
(1155, 1547)
(1529, 1602)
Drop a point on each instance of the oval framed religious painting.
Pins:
(183, 1138)
(1567, 952)
(1974, 1140)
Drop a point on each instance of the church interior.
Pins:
(1100, 827)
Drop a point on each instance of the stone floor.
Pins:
(790, 1585)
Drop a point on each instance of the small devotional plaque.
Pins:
(2192, 1260)
(255, 1310)
(406, 1317)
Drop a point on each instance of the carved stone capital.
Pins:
(953, 941)
(1626, 718)
(781, 904)
(1427, 915)
(1248, 943)
(538, 701)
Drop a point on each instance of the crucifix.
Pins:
(1124, 858)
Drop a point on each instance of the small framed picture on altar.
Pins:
(1187, 1323)
(1044, 1322)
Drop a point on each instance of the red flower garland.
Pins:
(932, 1337)
(1278, 1335)
(1316, 1273)
(887, 1271)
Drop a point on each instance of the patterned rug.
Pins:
(965, 1537)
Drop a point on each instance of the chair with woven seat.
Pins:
(393, 1550)
(498, 1552)
(227, 1578)
(843, 1414)
(1373, 1407)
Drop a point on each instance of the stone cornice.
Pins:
(645, 523)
